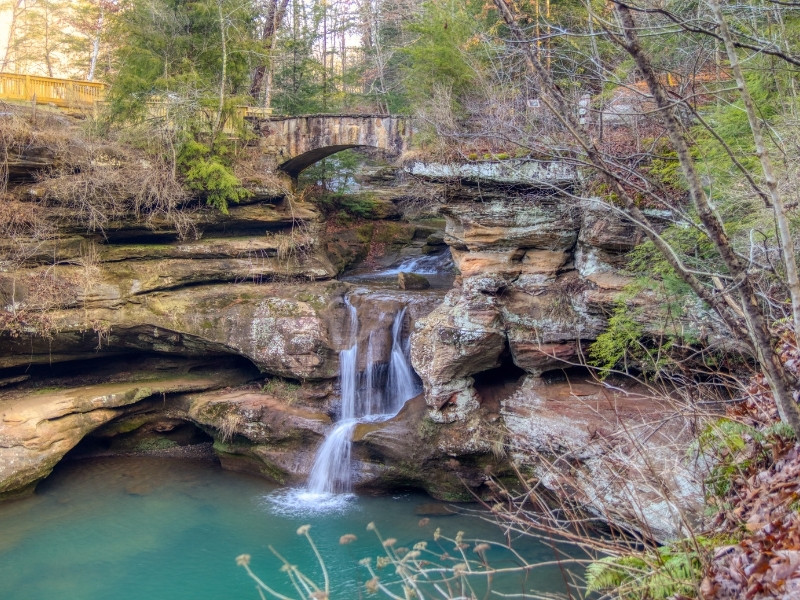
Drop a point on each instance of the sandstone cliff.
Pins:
(255, 293)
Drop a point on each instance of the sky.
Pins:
(4, 17)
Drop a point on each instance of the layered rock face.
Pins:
(40, 425)
(538, 278)
(540, 272)
(234, 332)
(235, 337)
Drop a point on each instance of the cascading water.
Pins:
(382, 393)
(348, 366)
(427, 264)
(331, 471)
(402, 381)
(437, 268)
(327, 476)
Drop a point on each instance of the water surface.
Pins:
(130, 528)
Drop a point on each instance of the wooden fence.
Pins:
(74, 94)
(65, 93)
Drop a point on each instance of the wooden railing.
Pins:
(161, 110)
(67, 93)
(70, 93)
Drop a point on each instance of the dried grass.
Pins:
(94, 181)
(258, 171)
(230, 425)
(101, 193)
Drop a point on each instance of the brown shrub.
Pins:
(104, 191)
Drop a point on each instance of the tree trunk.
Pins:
(755, 329)
(96, 44)
(17, 8)
(48, 50)
(260, 88)
(757, 325)
(223, 76)
(778, 207)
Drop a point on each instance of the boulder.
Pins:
(260, 433)
(449, 461)
(412, 281)
(462, 336)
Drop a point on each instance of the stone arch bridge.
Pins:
(299, 142)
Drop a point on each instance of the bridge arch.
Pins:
(299, 142)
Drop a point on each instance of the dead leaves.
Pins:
(766, 563)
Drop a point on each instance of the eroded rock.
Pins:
(528, 287)
(461, 337)
(38, 428)
(282, 329)
(261, 433)
(620, 453)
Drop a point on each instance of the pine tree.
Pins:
(187, 63)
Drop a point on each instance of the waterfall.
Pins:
(331, 471)
(429, 264)
(372, 399)
(381, 396)
(348, 366)
(402, 381)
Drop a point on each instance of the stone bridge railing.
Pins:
(298, 142)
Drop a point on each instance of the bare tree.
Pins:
(770, 179)
(89, 22)
(737, 302)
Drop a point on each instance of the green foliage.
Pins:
(361, 206)
(654, 575)
(89, 24)
(779, 430)
(205, 172)
(689, 242)
(725, 436)
(612, 572)
(217, 182)
(614, 345)
(172, 49)
(394, 232)
(338, 194)
(305, 84)
(439, 57)
(624, 344)
(347, 207)
(735, 447)
(365, 232)
(299, 88)
(725, 441)
(335, 174)
(284, 389)
(741, 213)
(171, 71)
(665, 167)
(729, 121)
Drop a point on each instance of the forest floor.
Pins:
(761, 511)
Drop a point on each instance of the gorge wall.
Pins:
(147, 341)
